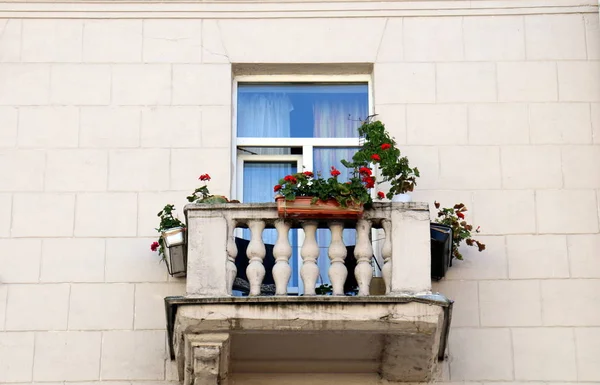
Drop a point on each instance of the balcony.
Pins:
(399, 336)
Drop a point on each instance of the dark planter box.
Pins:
(441, 250)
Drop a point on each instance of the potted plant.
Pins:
(171, 244)
(380, 149)
(304, 195)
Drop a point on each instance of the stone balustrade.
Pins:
(212, 249)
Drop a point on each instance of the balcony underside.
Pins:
(399, 337)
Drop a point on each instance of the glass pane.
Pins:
(301, 110)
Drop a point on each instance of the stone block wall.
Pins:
(104, 120)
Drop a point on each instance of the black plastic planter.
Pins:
(441, 250)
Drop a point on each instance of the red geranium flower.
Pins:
(290, 179)
(154, 246)
(460, 215)
(369, 181)
(376, 157)
(365, 171)
(204, 177)
(308, 174)
(277, 188)
(386, 146)
(380, 195)
(335, 171)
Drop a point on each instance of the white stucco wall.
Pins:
(106, 116)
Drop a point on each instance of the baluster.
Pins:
(232, 251)
(256, 253)
(363, 253)
(282, 253)
(337, 254)
(310, 253)
(386, 252)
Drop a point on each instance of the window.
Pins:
(289, 125)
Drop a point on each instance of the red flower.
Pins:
(460, 215)
(376, 157)
(335, 171)
(154, 246)
(365, 171)
(308, 174)
(277, 188)
(386, 146)
(369, 181)
(204, 177)
(290, 179)
(380, 195)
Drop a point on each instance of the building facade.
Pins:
(111, 109)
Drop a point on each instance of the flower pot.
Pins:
(175, 251)
(402, 198)
(303, 208)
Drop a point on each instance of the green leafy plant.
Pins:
(461, 230)
(380, 148)
(203, 195)
(305, 184)
(324, 289)
(167, 221)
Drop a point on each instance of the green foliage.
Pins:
(324, 289)
(461, 230)
(380, 148)
(167, 221)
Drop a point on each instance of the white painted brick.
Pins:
(43, 215)
(133, 355)
(527, 81)
(37, 307)
(138, 170)
(426, 159)
(150, 301)
(213, 50)
(566, 211)
(501, 123)
(111, 127)
(514, 203)
(494, 38)
(560, 123)
(76, 170)
(80, 84)
(478, 354)
(72, 260)
(555, 37)
(16, 357)
(70, 356)
(587, 341)
(537, 256)
(93, 219)
(449, 198)
(48, 127)
(173, 41)
(24, 84)
(5, 215)
(537, 357)
(391, 48)
(141, 84)
(465, 311)
(3, 298)
(404, 83)
(592, 35)
(571, 302)
(216, 126)
(100, 306)
(51, 40)
(8, 126)
(172, 127)
(26, 172)
(26, 267)
(580, 166)
(484, 167)
(150, 203)
(583, 255)
(578, 81)
(112, 41)
(466, 82)
(131, 260)
(436, 124)
(596, 122)
(433, 39)
(214, 161)
(510, 303)
(202, 84)
(534, 167)
(10, 41)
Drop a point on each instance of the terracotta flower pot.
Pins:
(302, 208)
